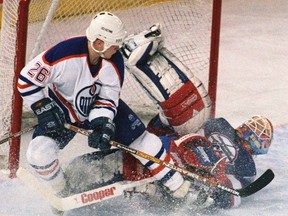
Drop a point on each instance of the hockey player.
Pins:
(84, 76)
(219, 149)
(218, 152)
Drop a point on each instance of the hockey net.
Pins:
(186, 24)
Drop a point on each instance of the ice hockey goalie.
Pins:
(181, 97)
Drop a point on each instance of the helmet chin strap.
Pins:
(101, 53)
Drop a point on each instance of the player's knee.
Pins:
(41, 151)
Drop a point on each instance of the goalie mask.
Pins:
(108, 28)
(258, 131)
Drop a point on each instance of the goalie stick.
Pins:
(252, 188)
(81, 199)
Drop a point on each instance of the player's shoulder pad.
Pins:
(217, 123)
(76, 46)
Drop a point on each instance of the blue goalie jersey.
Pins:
(224, 138)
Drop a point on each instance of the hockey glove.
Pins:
(103, 132)
(50, 117)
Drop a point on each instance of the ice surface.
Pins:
(252, 80)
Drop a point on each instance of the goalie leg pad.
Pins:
(167, 81)
(186, 109)
(179, 107)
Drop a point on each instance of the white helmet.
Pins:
(258, 131)
(108, 28)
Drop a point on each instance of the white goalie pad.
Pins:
(181, 97)
(140, 46)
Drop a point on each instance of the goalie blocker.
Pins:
(183, 101)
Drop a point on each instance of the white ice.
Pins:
(252, 80)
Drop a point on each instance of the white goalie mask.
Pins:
(258, 131)
(108, 28)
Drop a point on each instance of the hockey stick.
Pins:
(81, 199)
(15, 135)
(255, 186)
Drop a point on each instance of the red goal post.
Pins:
(191, 29)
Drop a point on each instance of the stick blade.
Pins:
(258, 184)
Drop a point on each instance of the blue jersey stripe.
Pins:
(27, 93)
(65, 49)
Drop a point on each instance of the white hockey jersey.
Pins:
(83, 91)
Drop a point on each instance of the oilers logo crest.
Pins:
(85, 99)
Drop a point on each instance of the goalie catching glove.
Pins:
(182, 99)
(50, 117)
(103, 132)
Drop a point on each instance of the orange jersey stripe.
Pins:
(20, 86)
